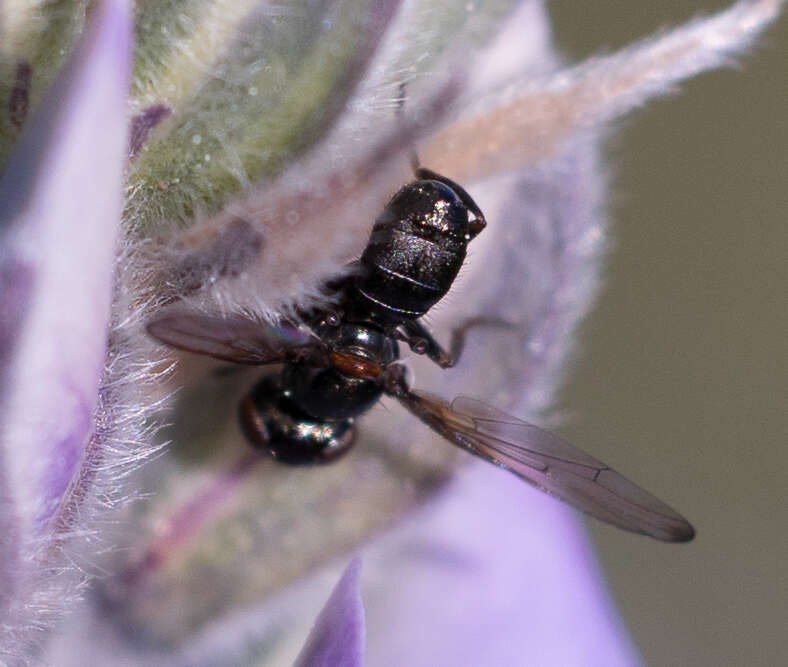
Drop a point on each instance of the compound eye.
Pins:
(419, 345)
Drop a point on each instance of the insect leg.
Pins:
(422, 341)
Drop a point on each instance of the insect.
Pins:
(345, 359)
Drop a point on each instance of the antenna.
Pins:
(414, 158)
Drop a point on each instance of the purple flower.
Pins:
(62, 195)
(263, 140)
(337, 639)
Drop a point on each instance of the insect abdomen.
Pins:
(415, 251)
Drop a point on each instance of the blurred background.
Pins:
(682, 368)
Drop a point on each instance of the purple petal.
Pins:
(494, 573)
(62, 195)
(337, 638)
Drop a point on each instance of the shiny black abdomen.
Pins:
(415, 251)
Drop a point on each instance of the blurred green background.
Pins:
(682, 368)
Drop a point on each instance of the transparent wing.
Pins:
(235, 338)
(549, 463)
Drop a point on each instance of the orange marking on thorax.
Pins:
(355, 366)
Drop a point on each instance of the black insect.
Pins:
(342, 361)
